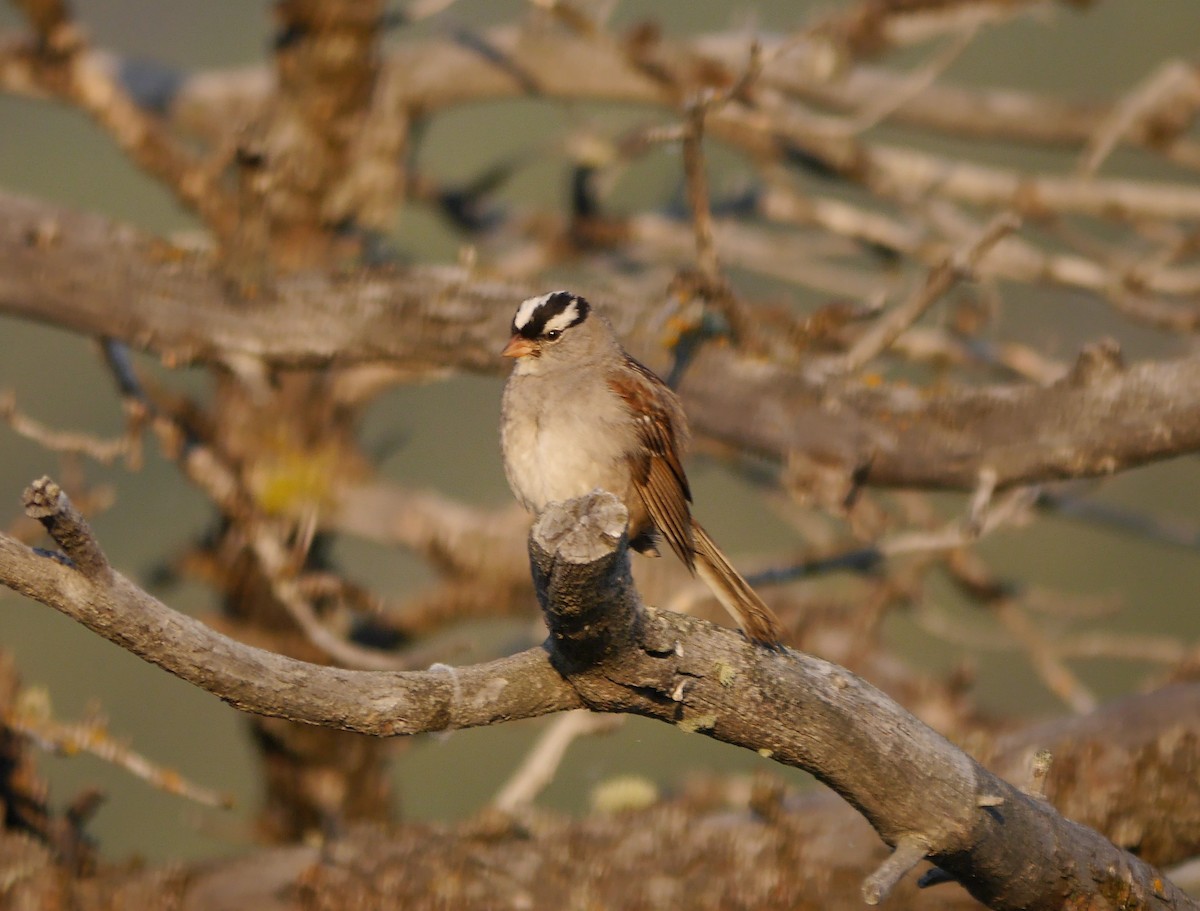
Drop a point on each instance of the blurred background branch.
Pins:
(914, 445)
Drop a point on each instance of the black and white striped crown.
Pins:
(553, 312)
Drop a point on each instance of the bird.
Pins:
(579, 413)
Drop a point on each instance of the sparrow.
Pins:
(579, 413)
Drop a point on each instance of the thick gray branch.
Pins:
(916, 789)
(609, 654)
(84, 273)
(382, 703)
(1101, 418)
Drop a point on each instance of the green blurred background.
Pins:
(448, 430)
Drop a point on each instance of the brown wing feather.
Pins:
(657, 466)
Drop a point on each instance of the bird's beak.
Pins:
(518, 346)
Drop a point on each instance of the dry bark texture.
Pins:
(836, 323)
(608, 653)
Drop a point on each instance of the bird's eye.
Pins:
(553, 334)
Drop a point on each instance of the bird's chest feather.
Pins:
(561, 443)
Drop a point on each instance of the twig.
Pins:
(998, 114)
(1039, 772)
(1017, 259)
(693, 161)
(715, 288)
(1174, 84)
(94, 738)
(912, 84)
(870, 28)
(541, 763)
(779, 201)
(73, 442)
(939, 346)
(981, 501)
(1013, 507)
(504, 59)
(696, 178)
(1163, 650)
(940, 279)
(1047, 662)
(1071, 505)
(901, 172)
(982, 519)
(67, 68)
(910, 851)
(1156, 649)
(972, 575)
(653, 236)
(45, 501)
(278, 568)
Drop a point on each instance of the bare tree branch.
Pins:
(1101, 418)
(382, 703)
(295, 170)
(58, 63)
(614, 655)
(808, 850)
(537, 769)
(127, 446)
(32, 719)
(955, 267)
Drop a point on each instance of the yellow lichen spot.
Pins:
(295, 481)
(675, 328)
(625, 792)
(765, 753)
(164, 252)
(726, 673)
(33, 703)
(92, 738)
(697, 723)
(171, 781)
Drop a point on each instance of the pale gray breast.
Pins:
(562, 437)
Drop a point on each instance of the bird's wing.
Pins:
(656, 463)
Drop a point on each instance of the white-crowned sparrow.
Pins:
(580, 413)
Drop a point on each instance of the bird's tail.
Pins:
(743, 603)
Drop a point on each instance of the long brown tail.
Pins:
(743, 603)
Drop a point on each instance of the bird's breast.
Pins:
(560, 446)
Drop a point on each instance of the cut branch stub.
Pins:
(1009, 850)
(576, 550)
(922, 794)
(46, 502)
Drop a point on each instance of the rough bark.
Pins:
(713, 847)
(83, 273)
(609, 653)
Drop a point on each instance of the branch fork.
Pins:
(608, 653)
(798, 710)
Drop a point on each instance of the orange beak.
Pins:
(518, 346)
